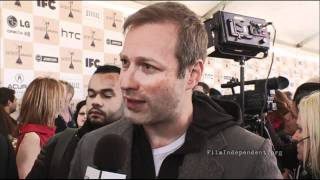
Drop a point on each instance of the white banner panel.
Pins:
(70, 35)
(46, 8)
(46, 58)
(208, 74)
(91, 60)
(113, 42)
(18, 80)
(17, 25)
(77, 83)
(92, 17)
(1, 52)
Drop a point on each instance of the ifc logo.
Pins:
(12, 21)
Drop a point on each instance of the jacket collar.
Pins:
(204, 138)
(198, 159)
(87, 127)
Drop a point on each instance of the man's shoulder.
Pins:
(117, 128)
(240, 138)
(251, 155)
(85, 150)
(68, 132)
(63, 137)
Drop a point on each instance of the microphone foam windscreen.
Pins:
(110, 153)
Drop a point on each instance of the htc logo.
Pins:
(70, 34)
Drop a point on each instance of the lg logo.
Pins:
(70, 34)
(49, 3)
(92, 62)
(13, 22)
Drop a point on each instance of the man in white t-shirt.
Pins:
(171, 132)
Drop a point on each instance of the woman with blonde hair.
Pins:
(308, 134)
(65, 120)
(41, 104)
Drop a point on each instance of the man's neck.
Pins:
(162, 134)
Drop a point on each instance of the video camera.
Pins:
(254, 99)
(240, 38)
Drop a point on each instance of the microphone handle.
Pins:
(100, 173)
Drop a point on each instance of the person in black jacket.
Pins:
(9, 102)
(104, 106)
(8, 167)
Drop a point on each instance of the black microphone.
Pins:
(273, 83)
(110, 153)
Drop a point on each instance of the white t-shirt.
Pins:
(159, 154)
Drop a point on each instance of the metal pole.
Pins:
(242, 62)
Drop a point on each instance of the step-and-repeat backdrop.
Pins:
(296, 69)
(62, 39)
(68, 39)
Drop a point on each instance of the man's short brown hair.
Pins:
(6, 95)
(192, 37)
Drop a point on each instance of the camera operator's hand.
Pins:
(290, 123)
(286, 174)
(14, 143)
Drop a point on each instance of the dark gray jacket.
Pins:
(229, 151)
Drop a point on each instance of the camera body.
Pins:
(254, 100)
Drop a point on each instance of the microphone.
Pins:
(273, 83)
(110, 155)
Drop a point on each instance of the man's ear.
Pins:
(9, 103)
(195, 74)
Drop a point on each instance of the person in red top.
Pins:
(41, 104)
